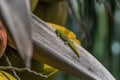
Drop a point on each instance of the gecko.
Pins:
(68, 41)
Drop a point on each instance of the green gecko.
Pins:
(67, 40)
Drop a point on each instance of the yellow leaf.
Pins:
(6, 76)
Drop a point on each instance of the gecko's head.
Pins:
(57, 31)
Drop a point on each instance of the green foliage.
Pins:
(97, 24)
